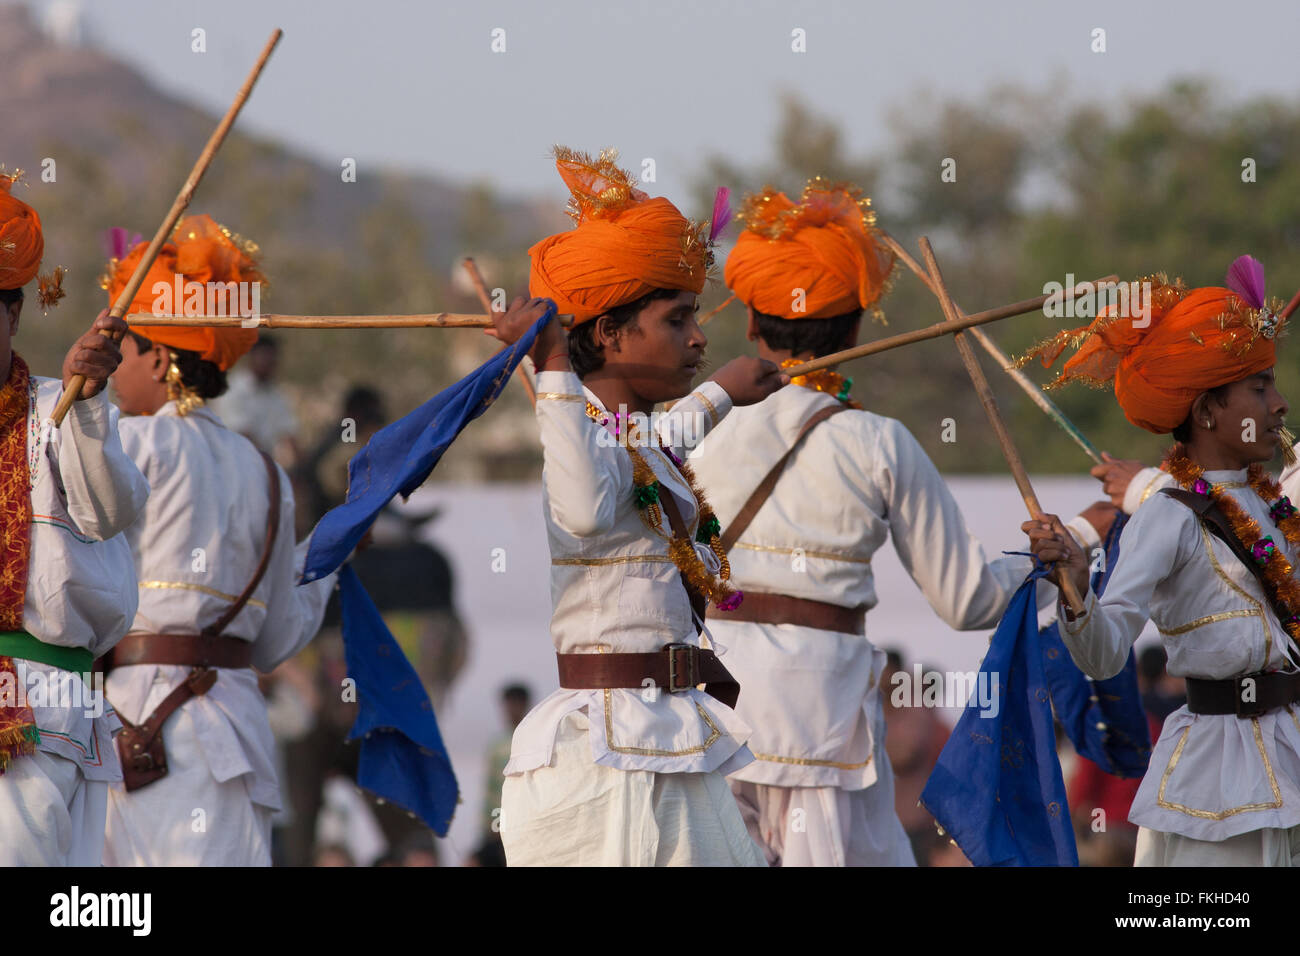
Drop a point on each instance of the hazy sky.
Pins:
(417, 85)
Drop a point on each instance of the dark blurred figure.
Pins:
(1099, 801)
(516, 701)
(255, 406)
(410, 583)
(914, 738)
(321, 480)
(1162, 693)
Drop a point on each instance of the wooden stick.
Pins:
(1036, 395)
(1020, 378)
(936, 330)
(435, 320)
(1291, 306)
(708, 316)
(485, 298)
(1009, 452)
(127, 296)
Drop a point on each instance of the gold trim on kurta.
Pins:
(808, 762)
(1259, 608)
(1232, 811)
(807, 552)
(186, 586)
(1150, 488)
(714, 735)
(560, 397)
(1210, 619)
(620, 559)
(709, 406)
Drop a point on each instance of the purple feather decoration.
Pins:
(118, 244)
(1246, 278)
(721, 213)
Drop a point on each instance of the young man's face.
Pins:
(659, 355)
(136, 383)
(1247, 425)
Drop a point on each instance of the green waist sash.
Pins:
(23, 645)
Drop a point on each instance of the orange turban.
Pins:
(21, 242)
(825, 245)
(201, 251)
(1197, 340)
(626, 245)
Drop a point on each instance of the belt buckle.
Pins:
(1247, 709)
(692, 666)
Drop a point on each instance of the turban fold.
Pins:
(200, 251)
(626, 245)
(1197, 339)
(21, 241)
(814, 259)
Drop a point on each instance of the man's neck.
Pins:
(1213, 457)
(615, 394)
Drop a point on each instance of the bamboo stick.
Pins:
(127, 296)
(936, 330)
(267, 320)
(1009, 451)
(485, 298)
(1036, 395)
(1026, 384)
(1291, 306)
(708, 316)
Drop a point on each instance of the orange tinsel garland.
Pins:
(1278, 571)
(682, 552)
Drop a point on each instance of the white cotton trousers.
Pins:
(825, 826)
(187, 818)
(1266, 847)
(576, 812)
(50, 814)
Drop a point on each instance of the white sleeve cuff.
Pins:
(1144, 484)
(715, 400)
(1083, 532)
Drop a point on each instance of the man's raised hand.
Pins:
(749, 380)
(94, 355)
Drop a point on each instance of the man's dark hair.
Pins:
(1151, 663)
(364, 405)
(199, 374)
(515, 692)
(9, 296)
(584, 354)
(1183, 433)
(818, 336)
(265, 341)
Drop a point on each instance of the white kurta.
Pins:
(195, 550)
(1211, 777)
(81, 593)
(613, 589)
(811, 695)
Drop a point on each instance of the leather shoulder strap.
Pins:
(731, 534)
(675, 521)
(1217, 523)
(272, 530)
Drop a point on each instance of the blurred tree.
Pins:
(1042, 191)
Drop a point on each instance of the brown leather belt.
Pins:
(675, 668)
(1267, 692)
(186, 650)
(761, 608)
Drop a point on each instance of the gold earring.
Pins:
(186, 398)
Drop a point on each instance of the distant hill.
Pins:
(386, 243)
